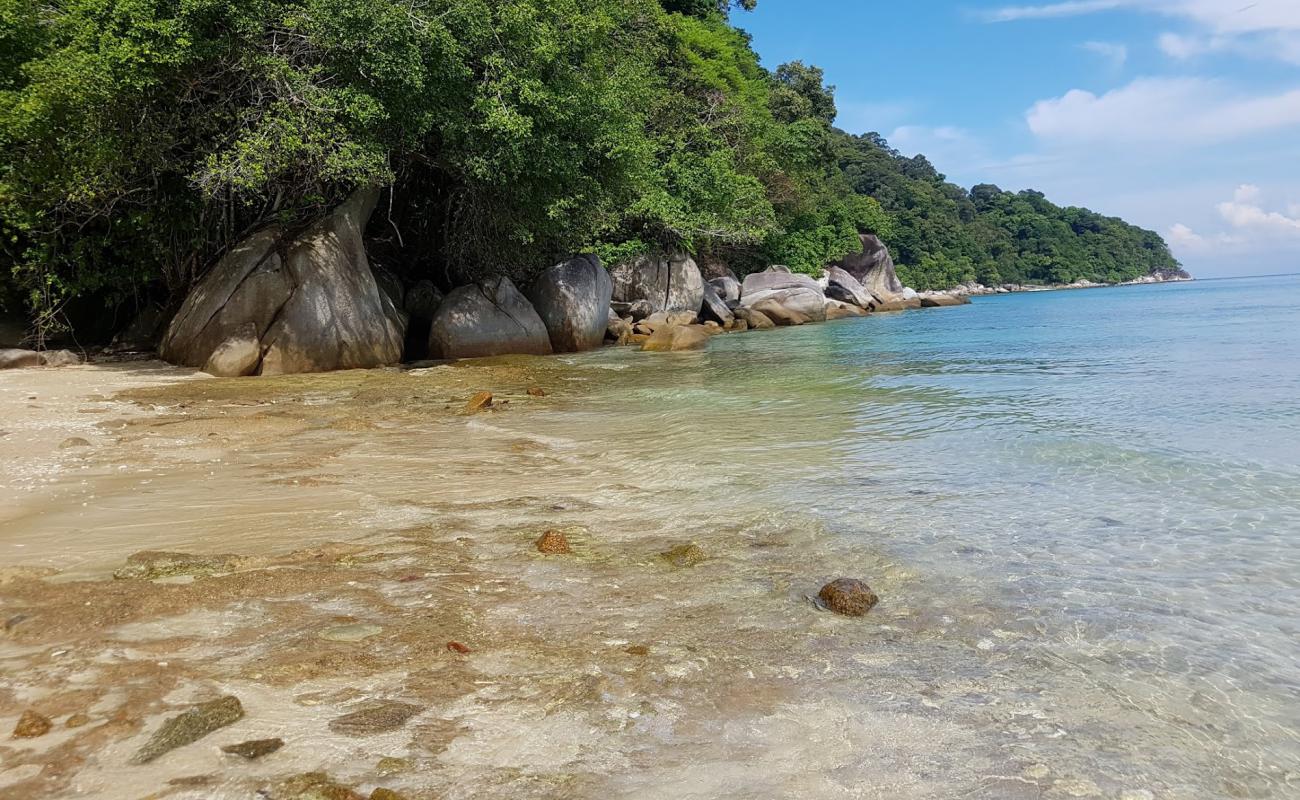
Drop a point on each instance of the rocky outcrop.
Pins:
(837, 310)
(727, 287)
(798, 294)
(666, 284)
(873, 268)
(943, 300)
(572, 298)
(779, 313)
(677, 338)
(842, 286)
(754, 320)
(715, 308)
(489, 318)
(279, 304)
(18, 359)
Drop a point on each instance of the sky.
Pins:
(1182, 116)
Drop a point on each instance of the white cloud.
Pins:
(1112, 52)
(1184, 240)
(1053, 10)
(1190, 111)
(1246, 212)
(1280, 45)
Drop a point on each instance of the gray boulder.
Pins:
(728, 288)
(17, 359)
(714, 308)
(573, 298)
(842, 286)
(279, 305)
(873, 268)
(489, 318)
(61, 358)
(666, 284)
(760, 285)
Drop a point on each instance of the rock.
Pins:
(909, 293)
(237, 356)
(713, 308)
(638, 650)
(18, 359)
(842, 286)
(489, 318)
(536, 391)
(380, 793)
(848, 596)
(779, 314)
(873, 268)
(639, 310)
(357, 632)
(738, 326)
(151, 564)
(943, 300)
(312, 786)
(391, 765)
(618, 330)
(678, 338)
(685, 555)
(727, 288)
(254, 749)
(379, 717)
(713, 267)
(60, 358)
(673, 283)
(32, 725)
(837, 310)
(422, 301)
(390, 285)
(572, 298)
(758, 285)
(898, 304)
(553, 543)
(74, 442)
(190, 726)
(77, 721)
(755, 320)
(309, 301)
(481, 401)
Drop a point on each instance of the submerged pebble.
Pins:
(350, 633)
(255, 748)
(74, 441)
(31, 725)
(190, 726)
(554, 543)
(151, 564)
(848, 596)
(479, 402)
(377, 718)
(312, 786)
(392, 765)
(685, 555)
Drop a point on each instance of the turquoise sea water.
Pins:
(1096, 495)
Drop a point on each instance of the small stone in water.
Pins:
(536, 391)
(350, 633)
(312, 786)
(75, 441)
(391, 765)
(554, 543)
(479, 402)
(1136, 794)
(685, 555)
(152, 564)
(638, 650)
(190, 726)
(31, 725)
(254, 749)
(379, 718)
(77, 721)
(457, 647)
(385, 794)
(848, 596)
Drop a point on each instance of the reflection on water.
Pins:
(1080, 510)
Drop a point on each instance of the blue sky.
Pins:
(1179, 115)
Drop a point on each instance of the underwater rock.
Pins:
(676, 339)
(190, 726)
(379, 717)
(386, 794)
(31, 725)
(754, 319)
(685, 555)
(848, 596)
(350, 633)
(77, 721)
(392, 765)
(75, 441)
(312, 786)
(479, 402)
(554, 543)
(255, 748)
(150, 564)
(536, 391)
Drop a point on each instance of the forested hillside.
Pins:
(139, 139)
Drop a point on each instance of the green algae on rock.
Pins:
(255, 748)
(190, 726)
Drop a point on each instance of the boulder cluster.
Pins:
(299, 301)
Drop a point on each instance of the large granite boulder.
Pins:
(780, 314)
(839, 310)
(572, 298)
(666, 284)
(873, 268)
(727, 287)
(14, 358)
(754, 320)
(489, 318)
(943, 300)
(279, 304)
(715, 308)
(797, 293)
(842, 286)
(677, 338)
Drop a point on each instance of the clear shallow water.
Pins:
(1081, 510)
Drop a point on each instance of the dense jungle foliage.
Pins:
(140, 138)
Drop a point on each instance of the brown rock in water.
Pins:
(312, 786)
(837, 310)
(378, 718)
(386, 794)
(75, 441)
(190, 726)
(77, 721)
(554, 543)
(944, 300)
(638, 650)
(150, 564)
(255, 748)
(536, 391)
(685, 555)
(479, 402)
(677, 339)
(779, 314)
(848, 596)
(31, 725)
(754, 320)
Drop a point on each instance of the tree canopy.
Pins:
(139, 139)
